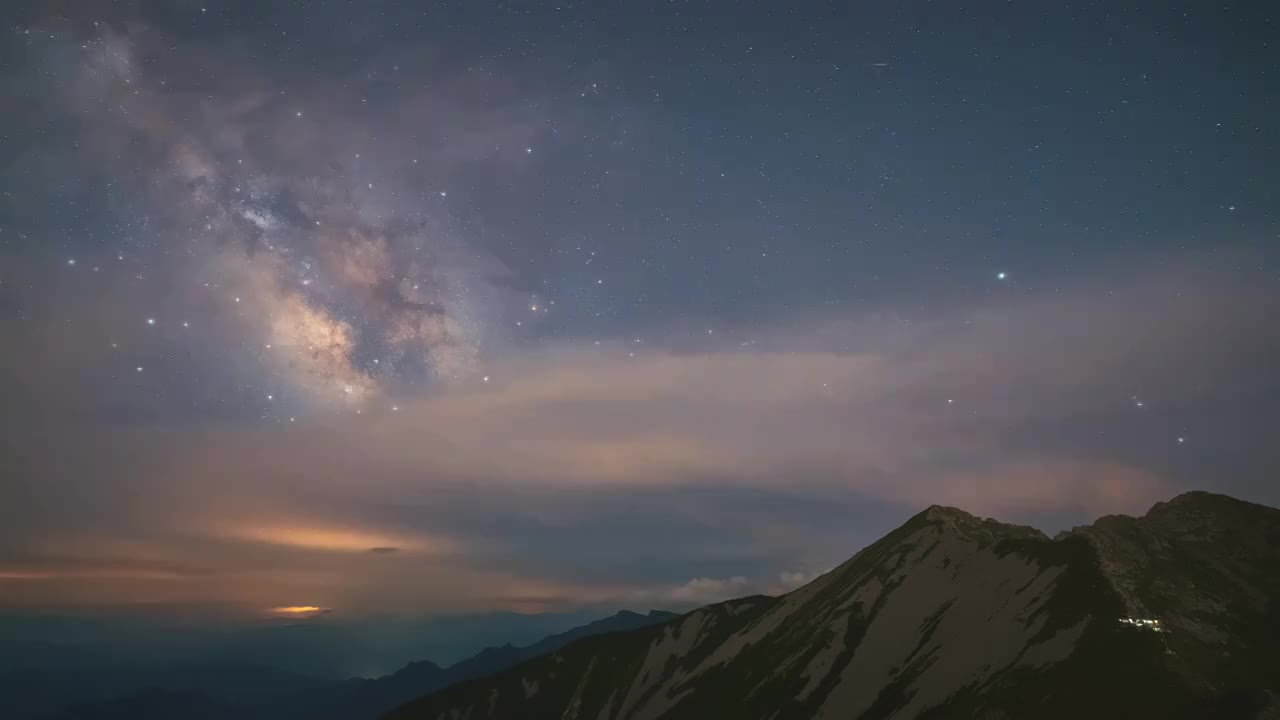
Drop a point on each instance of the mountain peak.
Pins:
(950, 615)
(946, 512)
(967, 524)
(1202, 502)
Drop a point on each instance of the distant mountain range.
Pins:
(1172, 615)
(214, 691)
(361, 699)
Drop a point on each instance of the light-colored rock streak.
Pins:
(677, 641)
(982, 604)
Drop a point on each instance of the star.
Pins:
(485, 378)
(1181, 440)
(138, 369)
(1000, 276)
(71, 261)
(151, 321)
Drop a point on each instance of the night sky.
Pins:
(400, 307)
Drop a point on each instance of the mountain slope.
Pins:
(367, 699)
(950, 616)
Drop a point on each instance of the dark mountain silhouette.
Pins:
(1174, 615)
(152, 704)
(128, 690)
(357, 699)
(242, 691)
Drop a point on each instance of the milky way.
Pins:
(336, 274)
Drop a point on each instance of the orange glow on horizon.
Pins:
(296, 610)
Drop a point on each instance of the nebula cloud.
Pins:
(337, 270)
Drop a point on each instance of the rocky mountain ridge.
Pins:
(950, 616)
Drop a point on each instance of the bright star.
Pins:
(151, 321)
(1000, 276)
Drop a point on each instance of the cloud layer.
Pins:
(584, 474)
(270, 336)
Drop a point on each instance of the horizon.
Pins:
(369, 320)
